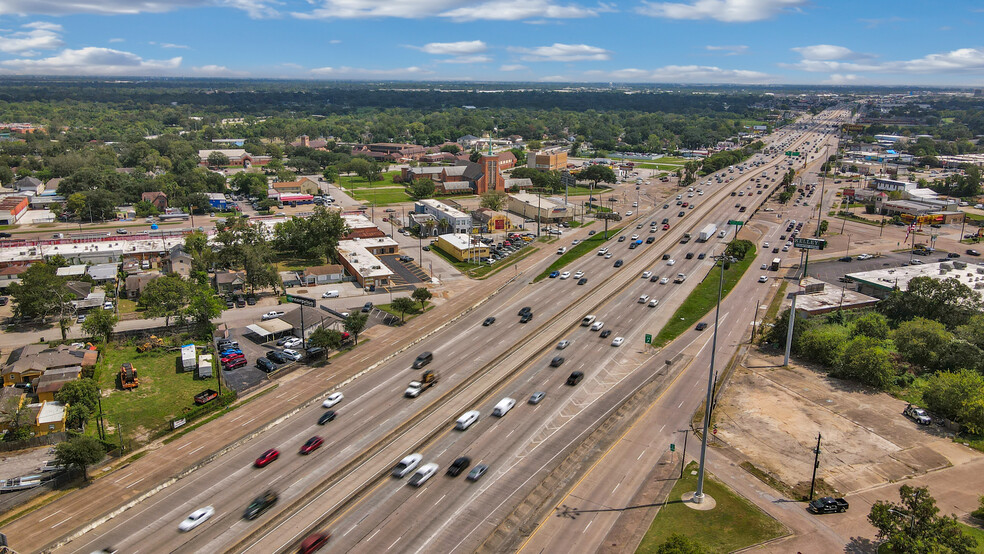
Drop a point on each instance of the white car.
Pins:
(763, 267)
(865, 257)
(291, 354)
(563, 344)
(561, 250)
(647, 274)
(272, 315)
(664, 280)
(671, 261)
(608, 255)
(618, 341)
(764, 279)
(579, 274)
(196, 518)
(644, 298)
(635, 237)
(765, 245)
(565, 275)
(628, 213)
(635, 204)
(653, 303)
(597, 325)
(333, 398)
(293, 342)
(330, 294)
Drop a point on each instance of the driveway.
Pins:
(406, 272)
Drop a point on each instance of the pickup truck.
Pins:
(272, 315)
(828, 505)
(427, 380)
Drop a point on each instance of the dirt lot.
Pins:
(771, 417)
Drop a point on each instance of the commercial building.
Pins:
(12, 208)
(390, 151)
(881, 282)
(236, 156)
(890, 185)
(448, 218)
(492, 221)
(360, 227)
(358, 257)
(548, 161)
(532, 206)
(217, 200)
(462, 247)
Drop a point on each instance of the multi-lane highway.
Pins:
(343, 485)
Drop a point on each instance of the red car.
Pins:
(238, 362)
(311, 445)
(232, 358)
(666, 226)
(314, 543)
(267, 457)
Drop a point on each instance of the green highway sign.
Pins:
(672, 447)
(649, 338)
(302, 300)
(809, 244)
(792, 153)
(735, 222)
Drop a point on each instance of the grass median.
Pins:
(702, 299)
(587, 245)
(734, 522)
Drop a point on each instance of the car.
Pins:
(654, 278)
(563, 344)
(367, 307)
(681, 214)
(311, 445)
(828, 505)
(605, 334)
(917, 414)
(666, 256)
(701, 326)
(81, 319)
(643, 299)
(477, 472)
(618, 263)
(618, 341)
(664, 280)
(554, 274)
(271, 315)
(653, 303)
(326, 417)
(775, 250)
(524, 310)
(234, 364)
(458, 465)
(536, 397)
(689, 256)
(763, 267)
(764, 279)
(765, 245)
(277, 357)
(526, 318)
(406, 465)
(597, 325)
(578, 274)
(265, 365)
(591, 232)
(293, 342)
(671, 261)
(575, 242)
(621, 239)
(635, 237)
(647, 274)
(330, 294)
(666, 226)
(582, 281)
(427, 249)
(650, 240)
(701, 256)
(628, 213)
(267, 457)
(121, 231)
(845, 259)
(953, 255)
(333, 398)
(565, 275)
(261, 504)
(557, 361)
(972, 252)
(666, 206)
(488, 321)
(561, 250)
(293, 355)
(229, 358)
(108, 306)
(196, 518)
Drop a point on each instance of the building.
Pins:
(178, 261)
(492, 221)
(301, 186)
(321, 274)
(491, 178)
(47, 417)
(449, 179)
(518, 185)
(71, 271)
(532, 206)
(358, 257)
(104, 273)
(390, 151)
(360, 227)
(12, 208)
(890, 185)
(227, 282)
(237, 156)
(881, 282)
(548, 161)
(137, 282)
(31, 186)
(462, 247)
(447, 217)
(48, 385)
(30, 362)
(306, 141)
(157, 198)
(820, 298)
(217, 201)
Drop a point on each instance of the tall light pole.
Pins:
(699, 494)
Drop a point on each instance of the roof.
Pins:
(103, 272)
(328, 269)
(51, 412)
(14, 270)
(39, 357)
(461, 241)
(270, 327)
(442, 207)
(228, 152)
(11, 202)
(70, 271)
(227, 277)
(456, 185)
(970, 274)
(518, 183)
(361, 259)
(287, 184)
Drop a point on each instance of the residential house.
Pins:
(80, 289)
(136, 283)
(30, 362)
(158, 199)
(227, 282)
(104, 273)
(290, 279)
(178, 261)
(301, 186)
(47, 417)
(29, 185)
(11, 274)
(48, 385)
(321, 274)
(76, 270)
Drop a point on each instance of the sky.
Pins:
(841, 42)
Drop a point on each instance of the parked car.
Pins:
(367, 307)
(265, 365)
(275, 356)
(828, 505)
(917, 414)
(271, 315)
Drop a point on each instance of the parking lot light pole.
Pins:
(699, 494)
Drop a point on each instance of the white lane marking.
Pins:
(183, 446)
(60, 522)
(616, 488)
(661, 428)
(641, 454)
(681, 404)
(135, 482)
(197, 449)
(439, 500)
(394, 543)
(245, 423)
(52, 515)
(373, 535)
(586, 527)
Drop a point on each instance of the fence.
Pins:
(160, 331)
(33, 442)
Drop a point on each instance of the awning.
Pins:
(270, 327)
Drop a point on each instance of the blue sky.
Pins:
(904, 42)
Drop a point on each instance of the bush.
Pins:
(979, 512)
(824, 344)
(957, 395)
(866, 360)
(871, 324)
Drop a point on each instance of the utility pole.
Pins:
(816, 464)
(699, 493)
(789, 328)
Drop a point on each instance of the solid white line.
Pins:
(586, 527)
(373, 535)
(60, 522)
(641, 454)
(52, 515)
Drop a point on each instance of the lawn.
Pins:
(349, 182)
(702, 300)
(388, 308)
(382, 197)
(661, 167)
(589, 244)
(477, 271)
(163, 393)
(734, 523)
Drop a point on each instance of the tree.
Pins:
(598, 173)
(203, 306)
(972, 331)
(217, 159)
(79, 452)
(314, 236)
(40, 293)
(680, 544)
(867, 361)
(452, 148)
(871, 324)
(17, 417)
(494, 200)
(6, 175)
(823, 226)
(100, 323)
(913, 525)
(824, 344)
(371, 171)
(948, 301)
(253, 185)
(920, 341)
(330, 174)
(422, 295)
(329, 339)
(421, 188)
(75, 204)
(145, 209)
(956, 395)
(403, 305)
(164, 297)
(355, 323)
(82, 398)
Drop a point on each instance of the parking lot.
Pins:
(406, 273)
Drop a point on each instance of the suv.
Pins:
(575, 378)
(458, 466)
(265, 365)
(917, 414)
(423, 359)
(260, 505)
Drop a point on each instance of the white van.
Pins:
(466, 420)
(587, 320)
(503, 407)
(330, 294)
(425, 472)
(602, 251)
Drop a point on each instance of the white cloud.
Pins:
(117, 40)
(255, 8)
(40, 36)
(558, 52)
(732, 11)
(554, 79)
(218, 71)
(454, 48)
(170, 45)
(682, 74)
(93, 61)
(828, 52)
(732, 50)
(843, 79)
(831, 59)
(361, 73)
(459, 10)
(479, 58)
(513, 67)
(334, 41)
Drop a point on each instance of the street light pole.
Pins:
(699, 494)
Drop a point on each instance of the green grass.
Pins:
(734, 523)
(773, 310)
(586, 246)
(702, 300)
(126, 306)
(975, 532)
(388, 308)
(478, 271)
(661, 167)
(349, 182)
(973, 217)
(382, 197)
(163, 393)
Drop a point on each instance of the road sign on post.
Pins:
(302, 300)
(567, 179)
(735, 222)
(809, 244)
(672, 447)
(649, 338)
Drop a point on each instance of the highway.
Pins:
(478, 366)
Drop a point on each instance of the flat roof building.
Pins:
(448, 218)
(462, 247)
(881, 282)
(358, 256)
(530, 206)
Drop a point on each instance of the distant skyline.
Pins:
(859, 42)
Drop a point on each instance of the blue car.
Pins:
(225, 353)
(554, 274)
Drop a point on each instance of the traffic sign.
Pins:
(567, 179)
(649, 338)
(809, 244)
(302, 300)
(672, 447)
(735, 222)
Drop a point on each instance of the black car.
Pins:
(681, 214)
(459, 465)
(367, 307)
(488, 321)
(775, 250)
(5, 235)
(701, 256)
(953, 255)
(326, 417)
(526, 317)
(557, 361)
(973, 253)
(605, 334)
(690, 255)
(845, 259)
(666, 220)
(666, 256)
(261, 504)
(650, 240)
(275, 356)
(618, 263)
(250, 300)
(701, 326)
(654, 278)
(582, 280)
(265, 365)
